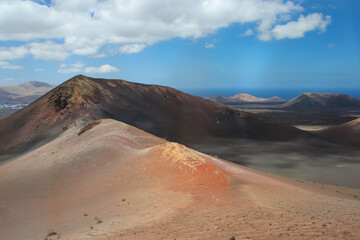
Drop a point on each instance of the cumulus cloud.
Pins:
(297, 29)
(85, 27)
(71, 68)
(79, 67)
(102, 69)
(132, 48)
(78, 64)
(38, 69)
(48, 50)
(7, 65)
(11, 53)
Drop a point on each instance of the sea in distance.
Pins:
(285, 93)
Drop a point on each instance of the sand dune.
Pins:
(115, 181)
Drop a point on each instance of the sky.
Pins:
(183, 43)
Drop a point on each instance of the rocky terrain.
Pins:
(91, 159)
(159, 110)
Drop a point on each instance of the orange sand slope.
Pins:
(114, 181)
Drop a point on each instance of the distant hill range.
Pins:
(24, 93)
(245, 98)
(322, 100)
(162, 111)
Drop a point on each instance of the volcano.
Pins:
(162, 111)
(322, 100)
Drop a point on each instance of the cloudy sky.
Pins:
(183, 43)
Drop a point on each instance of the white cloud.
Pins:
(297, 29)
(331, 45)
(78, 67)
(102, 69)
(132, 48)
(248, 33)
(77, 27)
(78, 64)
(11, 53)
(6, 65)
(48, 50)
(38, 69)
(71, 68)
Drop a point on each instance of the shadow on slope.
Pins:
(162, 111)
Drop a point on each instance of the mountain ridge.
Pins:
(24, 93)
(159, 110)
(322, 100)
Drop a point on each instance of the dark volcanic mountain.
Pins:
(163, 111)
(245, 98)
(322, 100)
(24, 93)
(345, 133)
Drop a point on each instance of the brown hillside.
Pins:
(347, 133)
(162, 111)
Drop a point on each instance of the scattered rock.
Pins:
(89, 126)
(98, 220)
(52, 233)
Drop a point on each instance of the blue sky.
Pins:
(183, 44)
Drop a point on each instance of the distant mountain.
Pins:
(24, 93)
(345, 133)
(322, 100)
(162, 111)
(245, 98)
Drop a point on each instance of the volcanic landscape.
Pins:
(111, 159)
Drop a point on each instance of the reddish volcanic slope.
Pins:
(109, 180)
(163, 111)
